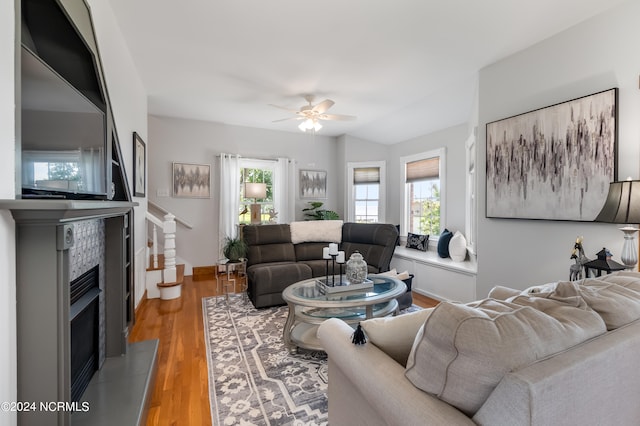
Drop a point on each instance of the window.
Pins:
(423, 207)
(256, 171)
(366, 192)
(471, 205)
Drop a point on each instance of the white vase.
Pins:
(458, 247)
(356, 269)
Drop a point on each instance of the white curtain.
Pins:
(229, 195)
(91, 170)
(285, 184)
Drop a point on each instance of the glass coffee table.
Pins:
(308, 308)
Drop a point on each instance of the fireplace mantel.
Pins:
(61, 211)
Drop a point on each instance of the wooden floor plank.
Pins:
(181, 393)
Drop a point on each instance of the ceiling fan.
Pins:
(312, 114)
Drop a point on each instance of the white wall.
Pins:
(596, 55)
(8, 365)
(192, 141)
(453, 140)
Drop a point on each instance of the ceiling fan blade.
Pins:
(337, 117)
(284, 119)
(323, 106)
(284, 108)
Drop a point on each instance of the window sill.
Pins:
(430, 257)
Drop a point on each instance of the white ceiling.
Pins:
(404, 67)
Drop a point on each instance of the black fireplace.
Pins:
(84, 315)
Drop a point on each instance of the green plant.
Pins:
(234, 248)
(314, 212)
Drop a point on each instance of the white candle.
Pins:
(325, 253)
(333, 248)
(340, 258)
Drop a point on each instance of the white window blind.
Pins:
(366, 175)
(428, 168)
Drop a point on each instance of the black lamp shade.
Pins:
(622, 204)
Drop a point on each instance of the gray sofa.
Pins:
(593, 382)
(275, 261)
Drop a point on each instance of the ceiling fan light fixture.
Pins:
(310, 124)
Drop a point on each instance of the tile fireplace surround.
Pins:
(56, 242)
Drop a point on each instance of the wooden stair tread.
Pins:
(160, 263)
(179, 277)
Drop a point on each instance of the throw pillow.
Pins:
(443, 243)
(617, 305)
(628, 279)
(458, 247)
(417, 241)
(463, 351)
(503, 293)
(395, 335)
(329, 231)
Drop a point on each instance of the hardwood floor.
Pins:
(181, 393)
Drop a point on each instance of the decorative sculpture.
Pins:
(576, 271)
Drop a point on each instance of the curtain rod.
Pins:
(257, 158)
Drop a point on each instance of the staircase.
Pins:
(166, 290)
(164, 278)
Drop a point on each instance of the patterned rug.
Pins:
(253, 379)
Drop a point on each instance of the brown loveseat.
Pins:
(275, 260)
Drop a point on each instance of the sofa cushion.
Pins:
(309, 251)
(269, 253)
(395, 335)
(275, 277)
(616, 304)
(316, 230)
(371, 254)
(319, 267)
(266, 234)
(503, 293)
(463, 351)
(628, 279)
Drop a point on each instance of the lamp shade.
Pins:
(255, 190)
(622, 204)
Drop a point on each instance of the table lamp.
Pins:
(255, 191)
(623, 206)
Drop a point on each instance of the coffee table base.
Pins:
(300, 330)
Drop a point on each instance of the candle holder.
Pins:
(336, 257)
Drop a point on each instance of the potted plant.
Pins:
(316, 213)
(234, 248)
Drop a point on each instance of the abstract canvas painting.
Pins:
(191, 180)
(313, 184)
(554, 163)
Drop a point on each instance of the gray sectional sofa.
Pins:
(565, 353)
(278, 257)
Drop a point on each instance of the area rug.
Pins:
(253, 379)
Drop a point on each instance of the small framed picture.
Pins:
(313, 184)
(139, 166)
(191, 180)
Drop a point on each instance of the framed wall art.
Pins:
(139, 166)
(191, 180)
(313, 184)
(554, 163)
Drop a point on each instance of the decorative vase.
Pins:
(356, 268)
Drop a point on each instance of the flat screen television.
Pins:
(64, 136)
